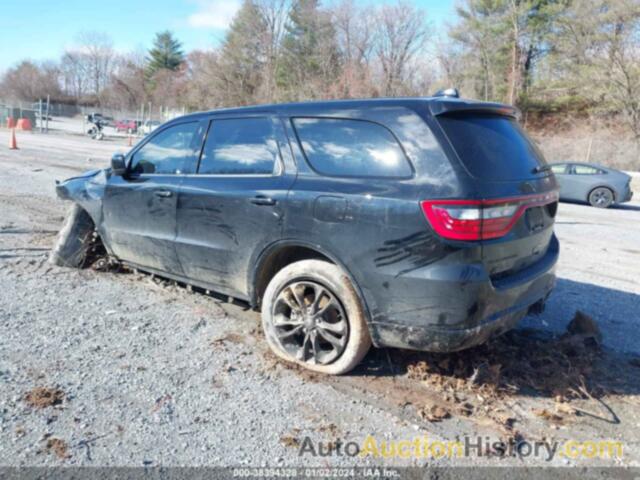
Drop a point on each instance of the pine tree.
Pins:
(166, 53)
(501, 41)
(243, 56)
(310, 54)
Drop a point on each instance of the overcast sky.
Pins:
(42, 29)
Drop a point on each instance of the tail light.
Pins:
(480, 219)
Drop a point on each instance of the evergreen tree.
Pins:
(166, 53)
(243, 56)
(501, 41)
(310, 59)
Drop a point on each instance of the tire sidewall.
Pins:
(73, 241)
(334, 278)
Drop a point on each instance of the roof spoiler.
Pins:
(446, 105)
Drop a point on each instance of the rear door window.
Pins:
(492, 147)
(240, 146)
(351, 148)
(171, 151)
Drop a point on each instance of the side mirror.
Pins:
(118, 164)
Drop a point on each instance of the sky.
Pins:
(42, 29)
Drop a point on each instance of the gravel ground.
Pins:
(152, 374)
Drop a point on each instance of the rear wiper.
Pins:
(541, 168)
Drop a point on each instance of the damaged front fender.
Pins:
(86, 190)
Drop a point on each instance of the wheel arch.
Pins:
(280, 254)
(87, 191)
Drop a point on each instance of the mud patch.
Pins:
(230, 337)
(435, 413)
(43, 397)
(58, 447)
(290, 441)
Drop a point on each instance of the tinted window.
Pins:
(559, 168)
(586, 170)
(239, 146)
(170, 151)
(351, 148)
(492, 147)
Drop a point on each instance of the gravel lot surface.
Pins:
(144, 372)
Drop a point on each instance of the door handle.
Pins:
(261, 200)
(163, 193)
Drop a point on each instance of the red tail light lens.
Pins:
(480, 219)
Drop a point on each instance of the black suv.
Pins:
(423, 223)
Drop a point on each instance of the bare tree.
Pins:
(202, 67)
(75, 73)
(274, 14)
(88, 66)
(452, 65)
(354, 26)
(597, 56)
(401, 33)
(127, 87)
(97, 51)
(29, 82)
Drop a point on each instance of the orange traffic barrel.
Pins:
(24, 124)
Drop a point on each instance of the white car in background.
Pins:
(149, 126)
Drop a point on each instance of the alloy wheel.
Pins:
(601, 197)
(310, 323)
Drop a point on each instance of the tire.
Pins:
(332, 311)
(74, 239)
(601, 197)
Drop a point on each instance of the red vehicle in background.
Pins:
(129, 126)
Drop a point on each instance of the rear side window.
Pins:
(169, 152)
(492, 147)
(586, 170)
(244, 146)
(351, 148)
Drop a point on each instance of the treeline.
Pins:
(541, 55)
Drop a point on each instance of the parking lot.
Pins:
(145, 372)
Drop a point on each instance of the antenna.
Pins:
(447, 92)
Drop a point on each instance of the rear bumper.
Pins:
(457, 314)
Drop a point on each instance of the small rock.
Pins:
(585, 326)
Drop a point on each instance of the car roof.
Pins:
(437, 106)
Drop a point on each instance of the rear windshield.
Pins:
(492, 147)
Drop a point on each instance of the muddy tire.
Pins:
(312, 316)
(74, 239)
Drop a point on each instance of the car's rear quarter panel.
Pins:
(375, 226)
